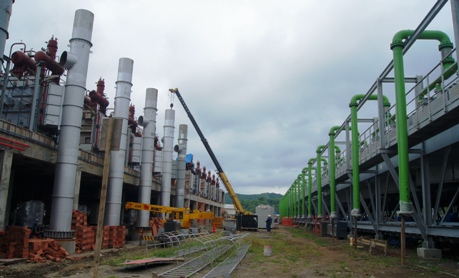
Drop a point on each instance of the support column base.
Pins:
(68, 244)
(429, 253)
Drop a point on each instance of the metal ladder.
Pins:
(225, 268)
(193, 266)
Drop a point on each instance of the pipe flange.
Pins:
(59, 234)
(333, 215)
(397, 44)
(443, 45)
(356, 213)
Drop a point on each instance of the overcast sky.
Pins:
(265, 80)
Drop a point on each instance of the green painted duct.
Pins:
(397, 46)
(310, 168)
(332, 168)
(355, 149)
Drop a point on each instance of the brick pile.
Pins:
(156, 223)
(117, 235)
(41, 250)
(14, 242)
(112, 237)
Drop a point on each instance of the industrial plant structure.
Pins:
(53, 132)
(398, 162)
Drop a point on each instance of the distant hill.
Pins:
(250, 201)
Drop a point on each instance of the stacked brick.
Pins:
(112, 237)
(84, 235)
(156, 223)
(14, 242)
(116, 236)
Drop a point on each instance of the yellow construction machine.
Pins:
(245, 219)
(182, 215)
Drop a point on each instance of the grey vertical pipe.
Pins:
(181, 164)
(6, 8)
(148, 146)
(167, 157)
(118, 158)
(72, 113)
(455, 15)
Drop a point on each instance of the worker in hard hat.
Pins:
(269, 221)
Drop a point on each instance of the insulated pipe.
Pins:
(332, 168)
(69, 137)
(397, 46)
(6, 8)
(21, 59)
(167, 157)
(181, 165)
(319, 180)
(148, 121)
(355, 149)
(310, 168)
(118, 157)
(50, 64)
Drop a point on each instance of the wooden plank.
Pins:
(103, 197)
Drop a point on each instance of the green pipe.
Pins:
(332, 167)
(303, 174)
(298, 184)
(319, 180)
(310, 168)
(355, 149)
(397, 46)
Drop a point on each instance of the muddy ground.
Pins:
(294, 253)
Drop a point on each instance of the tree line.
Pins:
(250, 201)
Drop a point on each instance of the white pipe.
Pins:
(6, 8)
(118, 158)
(167, 157)
(69, 138)
(181, 164)
(148, 146)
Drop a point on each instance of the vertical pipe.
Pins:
(300, 192)
(69, 138)
(167, 157)
(35, 97)
(354, 103)
(303, 194)
(332, 167)
(319, 180)
(118, 157)
(181, 165)
(6, 8)
(310, 168)
(148, 146)
(397, 46)
(455, 15)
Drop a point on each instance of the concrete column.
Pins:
(76, 196)
(6, 159)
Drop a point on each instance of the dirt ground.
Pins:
(294, 253)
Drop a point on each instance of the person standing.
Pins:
(269, 221)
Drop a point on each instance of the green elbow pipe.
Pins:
(397, 46)
(355, 149)
(319, 180)
(332, 167)
(298, 189)
(310, 168)
(303, 194)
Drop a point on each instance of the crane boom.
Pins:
(222, 174)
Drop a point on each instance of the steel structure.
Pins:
(401, 161)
